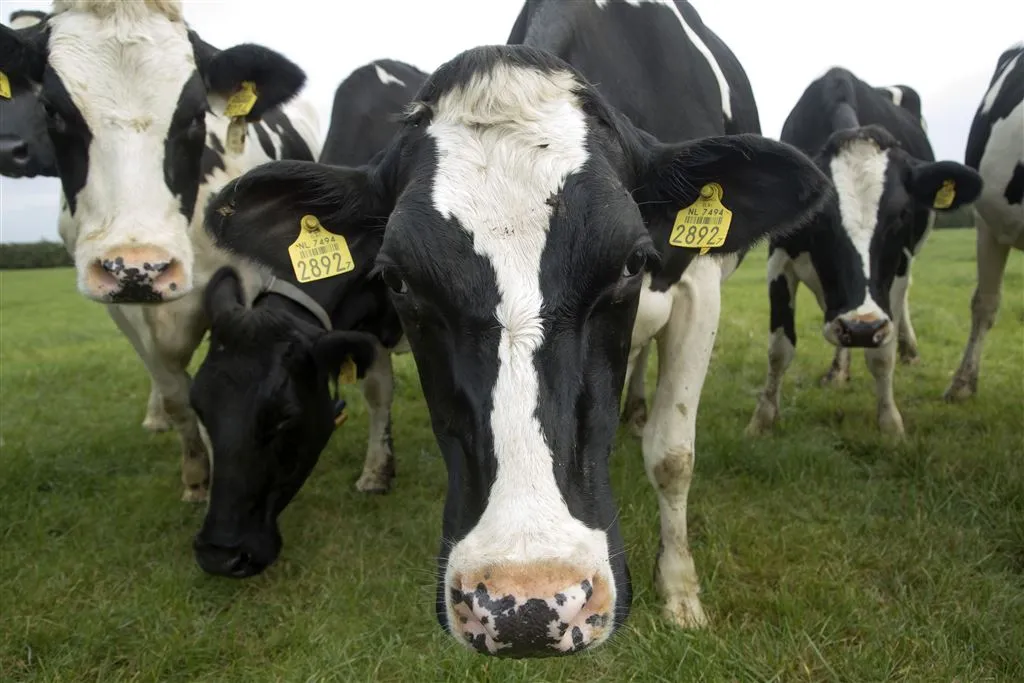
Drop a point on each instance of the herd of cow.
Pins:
(526, 220)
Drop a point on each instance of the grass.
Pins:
(825, 553)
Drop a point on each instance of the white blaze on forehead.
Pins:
(125, 73)
(716, 69)
(386, 77)
(506, 143)
(858, 172)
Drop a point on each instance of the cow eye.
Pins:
(394, 281)
(635, 263)
(53, 119)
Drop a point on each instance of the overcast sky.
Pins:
(946, 51)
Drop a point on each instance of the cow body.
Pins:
(528, 220)
(856, 255)
(995, 148)
(263, 389)
(140, 142)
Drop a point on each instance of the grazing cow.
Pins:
(366, 104)
(25, 149)
(857, 253)
(135, 105)
(262, 391)
(530, 215)
(995, 148)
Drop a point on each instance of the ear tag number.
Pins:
(347, 374)
(242, 102)
(318, 253)
(704, 224)
(5, 86)
(944, 197)
(236, 135)
(340, 412)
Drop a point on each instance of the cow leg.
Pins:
(634, 413)
(991, 264)
(838, 373)
(900, 296)
(378, 390)
(684, 352)
(881, 363)
(782, 286)
(156, 419)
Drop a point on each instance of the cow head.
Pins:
(523, 214)
(126, 88)
(884, 196)
(25, 149)
(262, 393)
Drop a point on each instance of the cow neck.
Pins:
(271, 284)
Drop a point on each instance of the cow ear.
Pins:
(275, 78)
(23, 52)
(224, 294)
(943, 185)
(333, 348)
(259, 214)
(769, 187)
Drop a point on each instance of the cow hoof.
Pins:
(687, 614)
(959, 390)
(763, 421)
(195, 494)
(634, 416)
(891, 424)
(156, 424)
(910, 359)
(373, 484)
(834, 378)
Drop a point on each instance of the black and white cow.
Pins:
(133, 100)
(857, 253)
(25, 149)
(529, 216)
(263, 390)
(995, 148)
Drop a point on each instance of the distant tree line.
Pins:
(46, 254)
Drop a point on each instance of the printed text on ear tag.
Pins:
(347, 374)
(242, 102)
(704, 224)
(944, 197)
(318, 253)
(5, 86)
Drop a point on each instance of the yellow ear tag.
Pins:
(5, 86)
(242, 102)
(703, 224)
(318, 253)
(235, 142)
(944, 197)
(347, 374)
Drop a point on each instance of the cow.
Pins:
(263, 390)
(532, 205)
(856, 254)
(146, 119)
(995, 149)
(25, 149)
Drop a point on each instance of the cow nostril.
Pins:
(240, 563)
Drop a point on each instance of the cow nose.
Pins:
(14, 156)
(234, 562)
(862, 332)
(530, 610)
(137, 275)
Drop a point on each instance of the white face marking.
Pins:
(723, 84)
(386, 77)
(125, 74)
(495, 179)
(858, 172)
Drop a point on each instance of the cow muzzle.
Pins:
(236, 560)
(860, 331)
(531, 610)
(136, 275)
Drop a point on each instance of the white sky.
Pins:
(946, 51)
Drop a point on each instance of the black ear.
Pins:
(258, 215)
(277, 79)
(943, 185)
(333, 348)
(23, 52)
(770, 187)
(224, 294)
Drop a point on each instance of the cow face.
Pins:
(25, 149)
(884, 198)
(126, 89)
(263, 396)
(524, 213)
